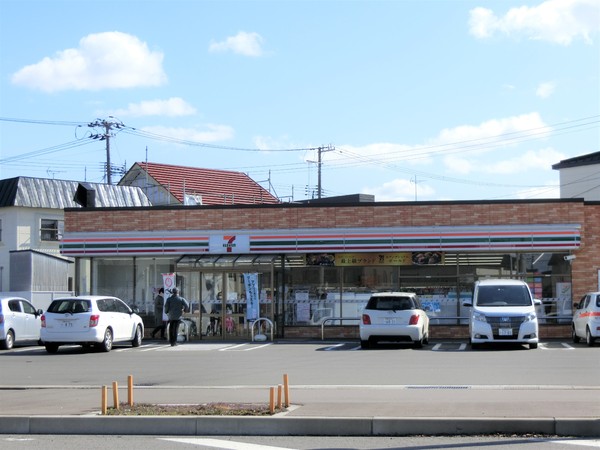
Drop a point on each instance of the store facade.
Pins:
(297, 264)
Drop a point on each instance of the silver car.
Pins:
(19, 322)
(93, 320)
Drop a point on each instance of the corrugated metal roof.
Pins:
(58, 194)
(217, 187)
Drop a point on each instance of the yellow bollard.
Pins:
(286, 390)
(116, 394)
(130, 390)
(104, 399)
(272, 400)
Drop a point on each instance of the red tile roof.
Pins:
(217, 187)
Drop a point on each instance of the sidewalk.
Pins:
(315, 410)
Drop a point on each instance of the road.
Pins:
(445, 379)
(37, 442)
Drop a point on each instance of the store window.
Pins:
(340, 285)
(51, 229)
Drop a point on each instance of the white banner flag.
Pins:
(252, 299)
(168, 285)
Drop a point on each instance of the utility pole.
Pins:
(320, 150)
(107, 125)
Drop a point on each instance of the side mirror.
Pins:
(575, 305)
(135, 309)
(537, 301)
(39, 312)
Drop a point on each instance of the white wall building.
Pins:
(32, 225)
(580, 177)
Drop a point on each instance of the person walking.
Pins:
(159, 323)
(174, 308)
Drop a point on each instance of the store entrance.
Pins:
(226, 303)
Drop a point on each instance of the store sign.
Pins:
(229, 243)
(389, 259)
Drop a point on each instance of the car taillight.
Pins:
(1, 318)
(366, 320)
(94, 319)
(43, 321)
(414, 319)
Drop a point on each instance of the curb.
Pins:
(295, 426)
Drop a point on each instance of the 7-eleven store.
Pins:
(296, 264)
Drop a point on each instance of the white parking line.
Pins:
(333, 347)
(223, 444)
(236, 348)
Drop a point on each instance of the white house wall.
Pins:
(580, 182)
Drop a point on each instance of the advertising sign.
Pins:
(252, 298)
(168, 285)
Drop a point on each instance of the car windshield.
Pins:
(390, 303)
(71, 306)
(503, 296)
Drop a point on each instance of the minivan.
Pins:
(503, 311)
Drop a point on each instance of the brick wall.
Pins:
(459, 332)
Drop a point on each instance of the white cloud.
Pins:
(546, 89)
(400, 190)
(557, 21)
(103, 60)
(211, 133)
(480, 136)
(172, 107)
(243, 43)
(529, 161)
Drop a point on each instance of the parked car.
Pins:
(90, 321)
(503, 311)
(19, 322)
(393, 316)
(586, 319)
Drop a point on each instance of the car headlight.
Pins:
(530, 317)
(479, 317)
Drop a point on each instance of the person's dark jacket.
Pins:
(175, 307)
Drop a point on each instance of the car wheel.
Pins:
(418, 344)
(364, 345)
(9, 342)
(107, 343)
(533, 346)
(574, 335)
(426, 339)
(51, 348)
(589, 340)
(137, 339)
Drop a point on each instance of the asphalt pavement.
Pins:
(314, 410)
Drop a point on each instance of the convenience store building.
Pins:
(324, 259)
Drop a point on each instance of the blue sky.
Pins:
(425, 100)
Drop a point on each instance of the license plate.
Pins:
(505, 332)
(389, 321)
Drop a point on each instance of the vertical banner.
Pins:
(168, 285)
(252, 299)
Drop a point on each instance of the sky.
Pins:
(404, 100)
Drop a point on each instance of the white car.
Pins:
(90, 320)
(503, 311)
(394, 316)
(19, 322)
(586, 319)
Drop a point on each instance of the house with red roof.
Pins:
(166, 184)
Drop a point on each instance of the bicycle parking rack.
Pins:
(259, 320)
(331, 319)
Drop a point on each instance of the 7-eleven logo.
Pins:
(229, 243)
